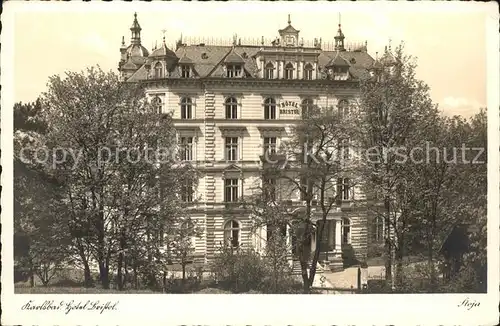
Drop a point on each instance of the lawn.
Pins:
(74, 290)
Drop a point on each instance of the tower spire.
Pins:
(289, 20)
(339, 38)
(136, 31)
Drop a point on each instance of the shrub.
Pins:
(245, 271)
(238, 270)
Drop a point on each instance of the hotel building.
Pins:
(232, 102)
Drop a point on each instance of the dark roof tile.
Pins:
(207, 60)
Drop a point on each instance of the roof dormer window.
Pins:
(233, 70)
(185, 71)
(158, 70)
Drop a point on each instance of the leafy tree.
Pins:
(114, 154)
(39, 234)
(396, 110)
(181, 243)
(309, 164)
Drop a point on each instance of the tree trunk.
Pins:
(136, 280)
(121, 257)
(388, 244)
(88, 282)
(399, 266)
(87, 276)
(164, 281)
(104, 275)
(317, 251)
(430, 262)
(126, 276)
(119, 278)
(305, 278)
(32, 274)
(32, 278)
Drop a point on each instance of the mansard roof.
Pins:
(209, 60)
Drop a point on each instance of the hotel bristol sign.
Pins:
(289, 108)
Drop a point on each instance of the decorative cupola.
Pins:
(289, 35)
(389, 61)
(162, 60)
(376, 68)
(339, 38)
(135, 52)
(338, 67)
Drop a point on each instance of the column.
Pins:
(338, 234)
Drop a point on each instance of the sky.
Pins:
(449, 45)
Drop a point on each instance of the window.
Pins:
(343, 108)
(185, 71)
(233, 71)
(230, 190)
(270, 109)
(187, 192)
(232, 233)
(156, 104)
(307, 106)
(186, 108)
(269, 189)
(343, 188)
(186, 148)
(269, 71)
(231, 108)
(346, 230)
(378, 229)
(158, 70)
(308, 72)
(232, 148)
(343, 150)
(289, 71)
(269, 145)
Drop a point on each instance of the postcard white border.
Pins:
(257, 309)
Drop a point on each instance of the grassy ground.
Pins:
(71, 290)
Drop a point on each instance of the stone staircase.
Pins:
(296, 270)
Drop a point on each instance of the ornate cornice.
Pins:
(245, 82)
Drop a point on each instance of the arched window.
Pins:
(378, 229)
(186, 108)
(232, 233)
(231, 108)
(289, 71)
(308, 72)
(307, 106)
(343, 106)
(158, 70)
(270, 109)
(156, 104)
(346, 230)
(269, 71)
